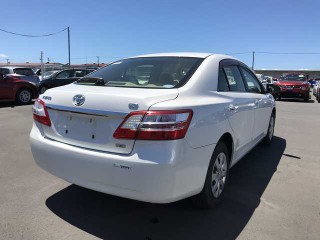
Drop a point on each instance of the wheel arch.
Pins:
(228, 140)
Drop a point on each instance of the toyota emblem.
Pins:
(78, 100)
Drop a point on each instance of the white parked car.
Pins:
(315, 88)
(155, 128)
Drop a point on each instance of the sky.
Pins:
(117, 29)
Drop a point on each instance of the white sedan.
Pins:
(155, 128)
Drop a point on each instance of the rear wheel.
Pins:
(24, 96)
(306, 98)
(216, 178)
(268, 138)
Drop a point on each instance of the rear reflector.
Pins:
(155, 125)
(40, 113)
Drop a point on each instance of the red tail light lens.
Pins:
(40, 113)
(155, 125)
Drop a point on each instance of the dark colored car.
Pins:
(294, 85)
(16, 86)
(61, 78)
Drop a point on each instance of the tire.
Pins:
(24, 96)
(319, 98)
(268, 138)
(306, 98)
(214, 188)
(42, 89)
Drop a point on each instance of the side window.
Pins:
(222, 82)
(79, 73)
(63, 75)
(4, 71)
(251, 82)
(234, 79)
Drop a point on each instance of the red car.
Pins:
(19, 86)
(294, 85)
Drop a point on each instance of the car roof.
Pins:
(176, 54)
(14, 67)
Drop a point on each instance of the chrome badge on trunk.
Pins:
(78, 100)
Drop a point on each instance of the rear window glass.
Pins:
(24, 71)
(150, 72)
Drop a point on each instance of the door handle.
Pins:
(232, 107)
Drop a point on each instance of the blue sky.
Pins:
(115, 29)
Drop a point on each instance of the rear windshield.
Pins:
(293, 77)
(24, 71)
(150, 72)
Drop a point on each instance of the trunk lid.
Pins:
(92, 124)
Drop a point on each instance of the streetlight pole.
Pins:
(69, 46)
(252, 60)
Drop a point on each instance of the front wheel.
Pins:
(306, 98)
(268, 138)
(24, 96)
(42, 89)
(216, 178)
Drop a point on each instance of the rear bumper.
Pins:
(156, 171)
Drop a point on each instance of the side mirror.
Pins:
(273, 89)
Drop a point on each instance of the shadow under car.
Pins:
(111, 217)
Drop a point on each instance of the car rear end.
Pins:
(26, 74)
(109, 139)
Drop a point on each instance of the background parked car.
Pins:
(15, 87)
(294, 85)
(313, 81)
(315, 88)
(22, 73)
(62, 78)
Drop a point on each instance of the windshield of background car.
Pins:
(49, 74)
(293, 77)
(24, 71)
(148, 72)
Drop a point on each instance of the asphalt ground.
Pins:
(273, 193)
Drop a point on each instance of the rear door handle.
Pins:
(232, 107)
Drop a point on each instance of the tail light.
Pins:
(40, 113)
(155, 125)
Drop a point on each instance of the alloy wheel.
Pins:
(24, 96)
(219, 174)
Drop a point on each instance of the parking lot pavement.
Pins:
(273, 192)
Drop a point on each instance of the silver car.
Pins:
(22, 73)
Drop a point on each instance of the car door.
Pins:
(262, 103)
(6, 85)
(239, 107)
(63, 78)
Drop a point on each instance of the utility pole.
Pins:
(48, 60)
(7, 61)
(252, 60)
(98, 60)
(69, 46)
(42, 67)
(86, 60)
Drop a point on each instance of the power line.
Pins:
(291, 53)
(34, 36)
